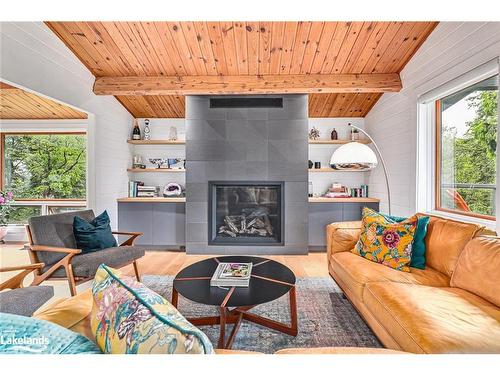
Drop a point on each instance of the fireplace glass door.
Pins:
(246, 213)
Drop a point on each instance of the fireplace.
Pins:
(245, 213)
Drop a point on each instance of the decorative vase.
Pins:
(3, 232)
(147, 130)
(334, 135)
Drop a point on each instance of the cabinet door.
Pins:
(320, 215)
(169, 224)
(136, 217)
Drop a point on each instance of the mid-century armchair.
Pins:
(21, 300)
(52, 242)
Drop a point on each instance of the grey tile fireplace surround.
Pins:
(256, 144)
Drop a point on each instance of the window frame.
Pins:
(438, 161)
(469, 71)
(44, 203)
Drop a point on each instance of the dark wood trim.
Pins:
(193, 278)
(228, 295)
(51, 200)
(260, 263)
(272, 280)
(2, 160)
(42, 132)
(465, 213)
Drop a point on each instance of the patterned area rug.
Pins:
(324, 318)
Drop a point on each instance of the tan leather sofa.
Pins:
(453, 306)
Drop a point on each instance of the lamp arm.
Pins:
(383, 164)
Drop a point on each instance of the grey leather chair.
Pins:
(51, 241)
(21, 300)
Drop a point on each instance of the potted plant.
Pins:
(6, 200)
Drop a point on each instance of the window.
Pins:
(466, 142)
(46, 172)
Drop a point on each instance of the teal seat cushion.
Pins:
(418, 248)
(23, 335)
(94, 235)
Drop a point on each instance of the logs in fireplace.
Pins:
(251, 222)
(246, 213)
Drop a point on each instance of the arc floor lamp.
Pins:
(359, 157)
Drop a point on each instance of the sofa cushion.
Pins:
(418, 248)
(129, 318)
(478, 269)
(424, 319)
(444, 242)
(95, 234)
(356, 272)
(86, 265)
(25, 301)
(386, 242)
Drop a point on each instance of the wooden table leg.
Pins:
(175, 297)
(293, 311)
(233, 332)
(222, 330)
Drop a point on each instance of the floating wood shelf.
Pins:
(183, 200)
(155, 170)
(313, 170)
(152, 200)
(157, 142)
(337, 141)
(343, 200)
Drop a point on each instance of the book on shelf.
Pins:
(146, 188)
(133, 187)
(232, 274)
(146, 194)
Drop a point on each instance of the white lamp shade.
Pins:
(354, 155)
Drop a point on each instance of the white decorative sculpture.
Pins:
(172, 134)
(147, 130)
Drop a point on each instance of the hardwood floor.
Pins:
(171, 262)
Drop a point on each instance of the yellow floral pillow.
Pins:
(129, 318)
(385, 242)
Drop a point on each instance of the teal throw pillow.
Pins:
(418, 248)
(23, 335)
(94, 235)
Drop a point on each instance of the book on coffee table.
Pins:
(232, 274)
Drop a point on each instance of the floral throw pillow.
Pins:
(129, 318)
(385, 242)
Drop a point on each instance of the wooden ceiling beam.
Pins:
(257, 84)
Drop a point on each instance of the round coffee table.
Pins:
(269, 281)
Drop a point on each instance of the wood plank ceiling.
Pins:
(17, 104)
(122, 49)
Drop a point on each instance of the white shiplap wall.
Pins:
(452, 49)
(35, 59)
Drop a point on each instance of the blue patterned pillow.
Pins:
(23, 335)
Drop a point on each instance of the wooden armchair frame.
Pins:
(65, 262)
(16, 281)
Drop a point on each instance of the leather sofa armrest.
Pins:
(342, 236)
